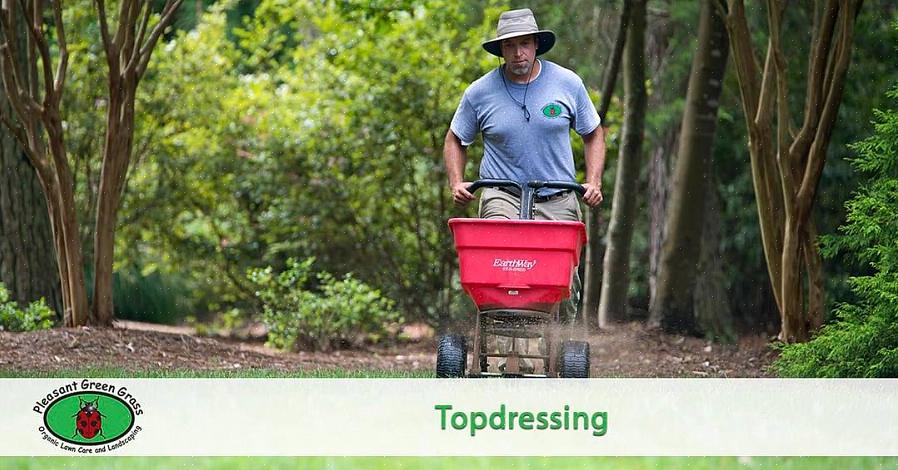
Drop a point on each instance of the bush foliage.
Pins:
(864, 340)
(37, 316)
(301, 134)
(334, 313)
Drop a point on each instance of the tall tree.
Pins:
(710, 299)
(34, 86)
(660, 160)
(128, 51)
(672, 307)
(787, 165)
(594, 252)
(667, 67)
(34, 81)
(616, 264)
(27, 262)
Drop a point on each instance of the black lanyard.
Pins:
(522, 104)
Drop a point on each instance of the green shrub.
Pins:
(864, 340)
(146, 295)
(37, 316)
(150, 297)
(336, 312)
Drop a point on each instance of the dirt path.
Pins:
(628, 351)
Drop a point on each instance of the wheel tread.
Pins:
(574, 360)
(452, 353)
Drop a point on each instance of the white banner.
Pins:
(430, 417)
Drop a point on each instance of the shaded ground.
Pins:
(634, 351)
(627, 351)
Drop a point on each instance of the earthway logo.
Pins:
(88, 417)
(519, 265)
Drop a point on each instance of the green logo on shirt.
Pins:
(552, 110)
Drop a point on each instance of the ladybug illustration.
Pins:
(88, 420)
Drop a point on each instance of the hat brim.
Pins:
(546, 41)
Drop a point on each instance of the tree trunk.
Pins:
(33, 118)
(711, 304)
(594, 250)
(786, 167)
(672, 307)
(128, 52)
(659, 192)
(65, 223)
(815, 277)
(116, 158)
(27, 256)
(28, 264)
(662, 156)
(616, 264)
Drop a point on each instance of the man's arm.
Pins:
(456, 156)
(594, 148)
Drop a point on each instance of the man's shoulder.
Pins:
(560, 73)
(482, 86)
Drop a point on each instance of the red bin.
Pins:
(517, 264)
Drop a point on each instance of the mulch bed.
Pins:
(629, 350)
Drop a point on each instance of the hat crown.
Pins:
(516, 21)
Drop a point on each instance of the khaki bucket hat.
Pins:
(516, 23)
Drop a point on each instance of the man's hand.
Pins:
(460, 194)
(593, 195)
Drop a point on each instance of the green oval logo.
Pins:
(89, 418)
(552, 110)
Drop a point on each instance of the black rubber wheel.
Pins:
(574, 360)
(452, 353)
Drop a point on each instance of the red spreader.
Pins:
(518, 273)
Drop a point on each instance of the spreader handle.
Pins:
(490, 183)
(536, 184)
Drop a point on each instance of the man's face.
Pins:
(519, 53)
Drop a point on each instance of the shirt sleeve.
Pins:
(587, 118)
(464, 123)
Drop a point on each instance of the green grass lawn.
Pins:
(636, 463)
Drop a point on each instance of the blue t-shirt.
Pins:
(514, 148)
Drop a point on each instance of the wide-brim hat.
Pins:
(516, 23)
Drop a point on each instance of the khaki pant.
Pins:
(497, 204)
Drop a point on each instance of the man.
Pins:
(525, 109)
